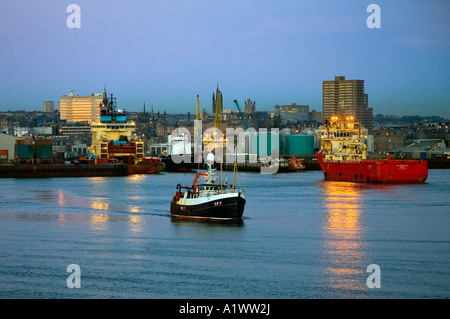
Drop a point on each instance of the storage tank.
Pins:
(300, 144)
(43, 148)
(24, 149)
(257, 149)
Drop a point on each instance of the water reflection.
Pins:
(134, 209)
(342, 235)
(100, 206)
(99, 218)
(61, 218)
(61, 198)
(135, 223)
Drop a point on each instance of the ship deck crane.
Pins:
(241, 115)
(218, 118)
(198, 112)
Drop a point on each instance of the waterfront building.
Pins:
(80, 108)
(387, 138)
(7, 147)
(75, 129)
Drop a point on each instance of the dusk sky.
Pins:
(271, 51)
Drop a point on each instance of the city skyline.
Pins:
(272, 52)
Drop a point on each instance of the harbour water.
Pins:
(301, 237)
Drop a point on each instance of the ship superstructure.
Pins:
(114, 136)
(343, 139)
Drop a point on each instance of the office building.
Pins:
(80, 108)
(293, 113)
(346, 97)
(49, 106)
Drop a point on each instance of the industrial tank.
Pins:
(300, 144)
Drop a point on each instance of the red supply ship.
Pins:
(343, 157)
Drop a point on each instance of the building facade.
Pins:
(346, 97)
(49, 106)
(80, 108)
(250, 106)
(293, 113)
(7, 147)
(315, 116)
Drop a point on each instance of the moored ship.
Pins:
(343, 157)
(114, 140)
(211, 200)
(177, 146)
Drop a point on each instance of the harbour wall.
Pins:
(61, 170)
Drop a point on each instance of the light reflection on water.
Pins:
(342, 235)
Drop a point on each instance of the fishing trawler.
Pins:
(210, 200)
(343, 157)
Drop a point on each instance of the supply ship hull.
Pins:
(171, 166)
(374, 171)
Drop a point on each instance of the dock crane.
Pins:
(198, 118)
(218, 118)
(198, 112)
(241, 115)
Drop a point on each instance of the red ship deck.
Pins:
(375, 171)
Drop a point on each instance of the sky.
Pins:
(165, 52)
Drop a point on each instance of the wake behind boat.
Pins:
(211, 200)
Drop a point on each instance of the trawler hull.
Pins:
(375, 171)
(218, 208)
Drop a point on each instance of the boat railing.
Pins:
(191, 195)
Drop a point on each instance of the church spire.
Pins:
(105, 97)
